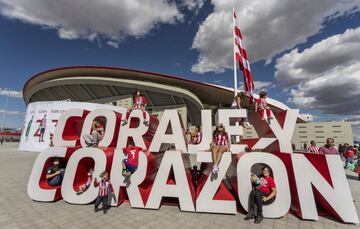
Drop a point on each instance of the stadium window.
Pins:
(336, 126)
(337, 131)
(302, 127)
(318, 126)
(303, 136)
(320, 137)
(319, 131)
(302, 132)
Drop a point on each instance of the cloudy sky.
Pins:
(305, 53)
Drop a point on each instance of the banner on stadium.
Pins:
(35, 112)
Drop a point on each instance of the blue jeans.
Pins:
(56, 180)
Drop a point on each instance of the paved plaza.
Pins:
(17, 210)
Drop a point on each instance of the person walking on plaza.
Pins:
(305, 147)
(349, 156)
(42, 128)
(105, 189)
(264, 191)
(140, 103)
(55, 173)
(328, 148)
(261, 105)
(313, 148)
(2, 139)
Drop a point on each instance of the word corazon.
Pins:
(304, 182)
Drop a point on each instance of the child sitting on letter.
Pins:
(261, 105)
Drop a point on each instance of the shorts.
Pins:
(130, 168)
(42, 130)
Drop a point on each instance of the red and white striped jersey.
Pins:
(313, 149)
(261, 103)
(221, 140)
(104, 188)
(139, 102)
(198, 138)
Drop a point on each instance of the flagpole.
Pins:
(233, 42)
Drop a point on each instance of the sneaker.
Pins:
(247, 125)
(96, 209)
(258, 219)
(146, 123)
(124, 122)
(249, 215)
(124, 172)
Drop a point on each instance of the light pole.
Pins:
(5, 109)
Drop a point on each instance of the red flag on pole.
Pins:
(241, 56)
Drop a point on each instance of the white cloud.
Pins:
(110, 19)
(193, 4)
(259, 85)
(268, 28)
(324, 76)
(114, 44)
(308, 117)
(329, 54)
(2, 111)
(11, 93)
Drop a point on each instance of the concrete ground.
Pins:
(17, 210)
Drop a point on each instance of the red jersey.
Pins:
(104, 188)
(261, 102)
(221, 140)
(132, 153)
(349, 154)
(139, 101)
(266, 184)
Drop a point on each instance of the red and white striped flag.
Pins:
(241, 57)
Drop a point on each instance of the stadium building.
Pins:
(117, 86)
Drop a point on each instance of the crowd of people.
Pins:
(349, 154)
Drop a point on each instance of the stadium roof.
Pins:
(107, 84)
